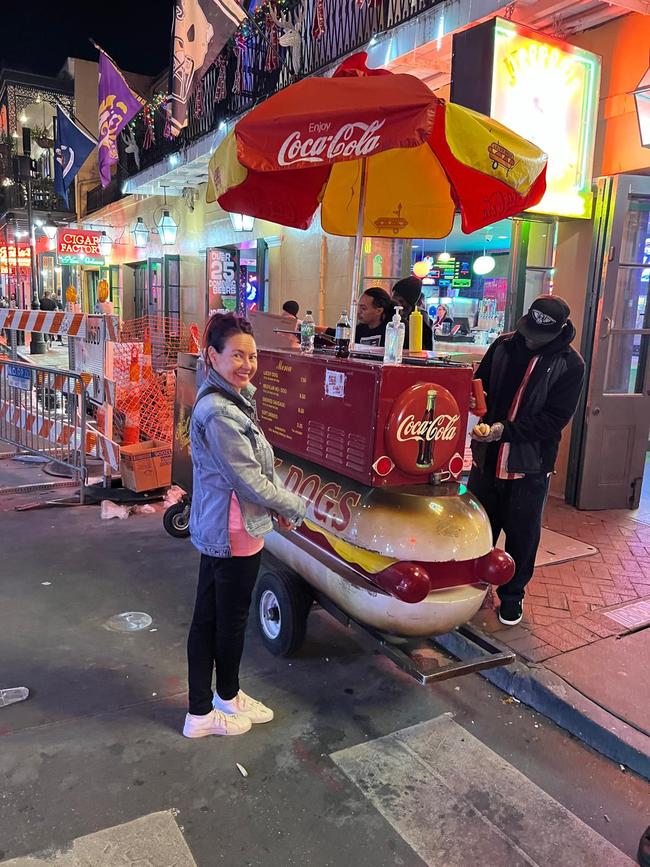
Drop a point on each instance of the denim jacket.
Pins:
(230, 453)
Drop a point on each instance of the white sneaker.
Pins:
(244, 705)
(215, 723)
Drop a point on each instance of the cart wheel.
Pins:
(282, 603)
(176, 520)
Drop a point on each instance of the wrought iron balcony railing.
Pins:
(44, 199)
(251, 73)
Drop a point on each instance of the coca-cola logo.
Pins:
(443, 427)
(351, 141)
(423, 429)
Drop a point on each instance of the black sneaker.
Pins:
(510, 613)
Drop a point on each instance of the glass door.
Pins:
(91, 279)
(172, 304)
(617, 411)
(111, 273)
(156, 288)
(140, 288)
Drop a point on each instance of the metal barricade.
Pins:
(43, 411)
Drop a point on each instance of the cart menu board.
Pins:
(320, 408)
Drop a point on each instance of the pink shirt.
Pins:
(242, 544)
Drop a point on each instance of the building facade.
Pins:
(27, 197)
(572, 49)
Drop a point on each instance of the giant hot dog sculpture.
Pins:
(391, 536)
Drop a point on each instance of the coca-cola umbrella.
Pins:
(381, 154)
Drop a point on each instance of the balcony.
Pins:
(98, 197)
(44, 199)
(349, 28)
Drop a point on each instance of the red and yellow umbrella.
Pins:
(368, 144)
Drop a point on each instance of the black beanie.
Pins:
(410, 288)
(291, 307)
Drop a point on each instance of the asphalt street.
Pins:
(98, 742)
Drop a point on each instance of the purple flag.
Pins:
(118, 104)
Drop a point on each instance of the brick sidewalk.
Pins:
(564, 604)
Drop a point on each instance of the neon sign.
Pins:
(79, 247)
(547, 91)
(14, 256)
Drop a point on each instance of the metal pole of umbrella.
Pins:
(358, 250)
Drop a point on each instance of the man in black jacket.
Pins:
(48, 303)
(532, 378)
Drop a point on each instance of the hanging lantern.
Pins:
(642, 106)
(421, 269)
(103, 290)
(49, 230)
(167, 228)
(483, 265)
(71, 294)
(105, 245)
(242, 222)
(140, 233)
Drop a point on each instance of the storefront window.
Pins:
(628, 351)
(485, 280)
(114, 283)
(539, 260)
(385, 261)
(51, 276)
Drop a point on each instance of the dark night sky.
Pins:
(38, 35)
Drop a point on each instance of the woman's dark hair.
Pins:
(381, 298)
(221, 326)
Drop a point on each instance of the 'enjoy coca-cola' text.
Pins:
(351, 141)
(443, 427)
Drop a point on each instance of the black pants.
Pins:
(216, 638)
(516, 507)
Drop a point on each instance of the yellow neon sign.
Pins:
(548, 92)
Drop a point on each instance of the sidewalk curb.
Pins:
(548, 693)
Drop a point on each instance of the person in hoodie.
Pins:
(532, 379)
(407, 294)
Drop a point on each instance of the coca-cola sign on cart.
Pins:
(423, 429)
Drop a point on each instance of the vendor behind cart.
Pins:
(236, 495)
(374, 311)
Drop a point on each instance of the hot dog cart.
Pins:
(392, 541)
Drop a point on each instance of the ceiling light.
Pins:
(642, 107)
(483, 265)
(242, 222)
(443, 257)
(49, 230)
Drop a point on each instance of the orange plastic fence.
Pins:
(153, 395)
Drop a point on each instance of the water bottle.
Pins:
(11, 696)
(307, 331)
